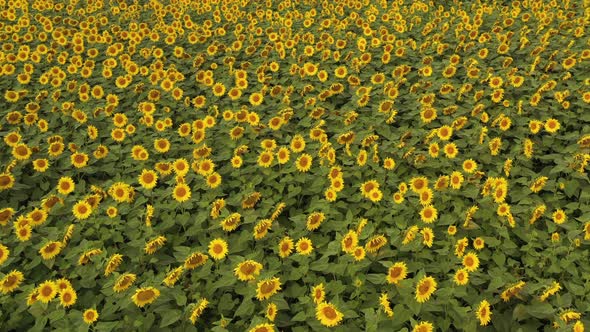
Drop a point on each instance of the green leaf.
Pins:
(245, 309)
(169, 317)
(300, 317)
(541, 310)
(376, 279)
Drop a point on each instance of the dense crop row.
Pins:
(294, 165)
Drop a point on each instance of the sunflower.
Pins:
(337, 184)
(205, 167)
(250, 200)
(478, 243)
(162, 145)
(426, 197)
(180, 167)
(449, 71)
(79, 160)
(469, 166)
(47, 204)
(32, 297)
(68, 297)
(47, 291)
(236, 133)
(237, 161)
(361, 158)
(359, 253)
(198, 309)
(216, 207)
(528, 148)
(256, 99)
(218, 89)
(265, 159)
(11, 281)
(424, 289)
(112, 264)
(6, 181)
(267, 288)
(21, 152)
(283, 155)
(551, 290)
(124, 282)
(427, 236)
(445, 132)
(65, 185)
(538, 184)
(173, 276)
(375, 243)
(423, 327)
(264, 327)
(428, 114)
(112, 211)
(213, 180)
(50, 250)
(304, 162)
(505, 123)
(559, 217)
(318, 293)
(314, 220)
(145, 296)
(286, 247)
(452, 230)
(429, 214)
(450, 150)
(418, 184)
(4, 253)
(569, 315)
(87, 255)
(90, 316)
(148, 179)
(461, 277)
(349, 242)
(552, 126)
(218, 249)
(496, 82)
(328, 314)
(100, 152)
(388, 163)
(24, 233)
(483, 313)
(247, 270)
(231, 223)
(500, 193)
(195, 260)
(398, 198)
(40, 165)
(369, 186)
(262, 228)
(181, 192)
(375, 195)
(5, 215)
(471, 261)
(56, 149)
(12, 138)
(271, 312)
(154, 244)
(164, 168)
(297, 144)
(82, 210)
(397, 272)
(456, 180)
(304, 246)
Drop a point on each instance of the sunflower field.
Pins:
(294, 165)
